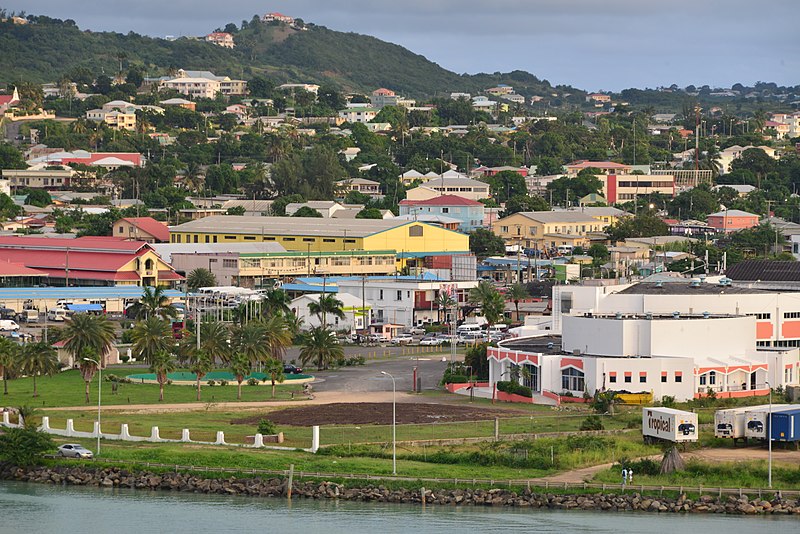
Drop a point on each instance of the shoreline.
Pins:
(364, 491)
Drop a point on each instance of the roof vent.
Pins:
(660, 284)
(576, 352)
(702, 278)
(648, 316)
(694, 283)
(706, 315)
(550, 345)
(618, 315)
(676, 315)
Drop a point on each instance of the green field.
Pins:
(67, 389)
(185, 376)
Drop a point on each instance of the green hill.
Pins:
(49, 48)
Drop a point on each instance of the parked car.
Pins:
(7, 325)
(72, 450)
(290, 369)
(431, 341)
(402, 339)
(416, 331)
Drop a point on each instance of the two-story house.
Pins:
(545, 230)
(468, 212)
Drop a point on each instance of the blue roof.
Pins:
(318, 280)
(84, 307)
(91, 293)
(308, 288)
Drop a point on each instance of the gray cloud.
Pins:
(609, 44)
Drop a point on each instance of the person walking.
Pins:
(624, 476)
(630, 476)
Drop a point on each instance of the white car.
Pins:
(7, 325)
(416, 331)
(403, 339)
(431, 341)
(73, 450)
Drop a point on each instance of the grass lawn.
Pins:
(67, 389)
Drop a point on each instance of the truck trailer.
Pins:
(785, 425)
(755, 419)
(730, 423)
(667, 424)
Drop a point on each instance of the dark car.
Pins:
(290, 369)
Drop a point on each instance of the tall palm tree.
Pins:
(516, 293)
(161, 363)
(327, 304)
(240, 366)
(320, 346)
(154, 302)
(250, 340)
(199, 364)
(274, 368)
(200, 277)
(89, 337)
(490, 301)
(194, 178)
(151, 337)
(38, 359)
(445, 302)
(279, 331)
(9, 357)
(276, 302)
(215, 341)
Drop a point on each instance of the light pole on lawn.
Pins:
(99, 386)
(394, 422)
(769, 436)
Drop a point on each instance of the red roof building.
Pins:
(6, 101)
(17, 275)
(141, 229)
(89, 261)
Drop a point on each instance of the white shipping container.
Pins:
(730, 423)
(669, 424)
(755, 419)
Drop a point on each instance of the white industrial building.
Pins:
(357, 312)
(673, 354)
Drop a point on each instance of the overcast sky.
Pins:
(591, 44)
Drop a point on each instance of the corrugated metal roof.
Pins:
(765, 271)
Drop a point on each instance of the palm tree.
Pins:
(38, 359)
(274, 368)
(199, 364)
(279, 331)
(89, 337)
(516, 293)
(154, 302)
(276, 302)
(250, 340)
(240, 366)
(194, 179)
(490, 301)
(201, 277)
(151, 337)
(293, 324)
(327, 304)
(445, 302)
(9, 356)
(320, 346)
(161, 363)
(215, 341)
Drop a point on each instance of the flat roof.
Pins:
(684, 287)
(92, 293)
(310, 226)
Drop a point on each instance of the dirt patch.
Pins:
(375, 413)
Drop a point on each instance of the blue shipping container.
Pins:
(785, 426)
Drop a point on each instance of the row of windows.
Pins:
(791, 315)
(643, 378)
(760, 316)
(645, 184)
(178, 238)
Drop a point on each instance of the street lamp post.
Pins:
(394, 422)
(99, 386)
(769, 436)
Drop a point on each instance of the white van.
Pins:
(468, 329)
(564, 250)
(7, 325)
(57, 314)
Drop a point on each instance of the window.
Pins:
(288, 239)
(572, 379)
(269, 238)
(329, 241)
(195, 238)
(249, 238)
(380, 294)
(627, 379)
(230, 237)
(121, 230)
(642, 378)
(702, 380)
(399, 295)
(678, 378)
(229, 264)
(712, 378)
(760, 316)
(178, 238)
(207, 238)
(308, 240)
(791, 315)
(664, 379)
(349, 240)
(612, 379)
(445, 210)
(415, 231)
(504, 229)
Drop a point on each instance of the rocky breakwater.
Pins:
(276, 487)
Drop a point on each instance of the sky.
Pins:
(589, 44)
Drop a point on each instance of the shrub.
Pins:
(267, 427)
(592, 422)
(252, 382)
(23, 446)
(668, 401)
(124, 358)
(514, 388)
(212, 383)
(223, 382)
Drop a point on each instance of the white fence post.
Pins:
(70, 428)
(220, 438)
(154, 436)
(6, 420)
(315, 438)
(258, 441)
(45, 424)
(185, 435)
(96, 432)
(124, 433)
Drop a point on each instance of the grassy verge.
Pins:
(67, 389)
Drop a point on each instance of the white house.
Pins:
(357, 312)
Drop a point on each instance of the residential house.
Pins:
(292, 87)
(222, 39)
(360, 185)
(117, 120)
(514, 98)
(491, 171)
(482, 103)
(383, 97)
(360, 115)
(462, 187)
(39, 176)
(605, 167)
(468, 212)
(731, 153)
(627, 187)
(144, 229)
(357, 313)
(201, 84)
(598, 98)
(273, 17)
(180, 102)
(732, 220)
(547, 230)
(459, 96)
(500, 89)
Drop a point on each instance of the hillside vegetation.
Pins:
(48, 49)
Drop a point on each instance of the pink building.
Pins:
(732, 220)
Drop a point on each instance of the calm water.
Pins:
(32, 508)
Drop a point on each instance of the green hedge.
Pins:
(514, 388)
